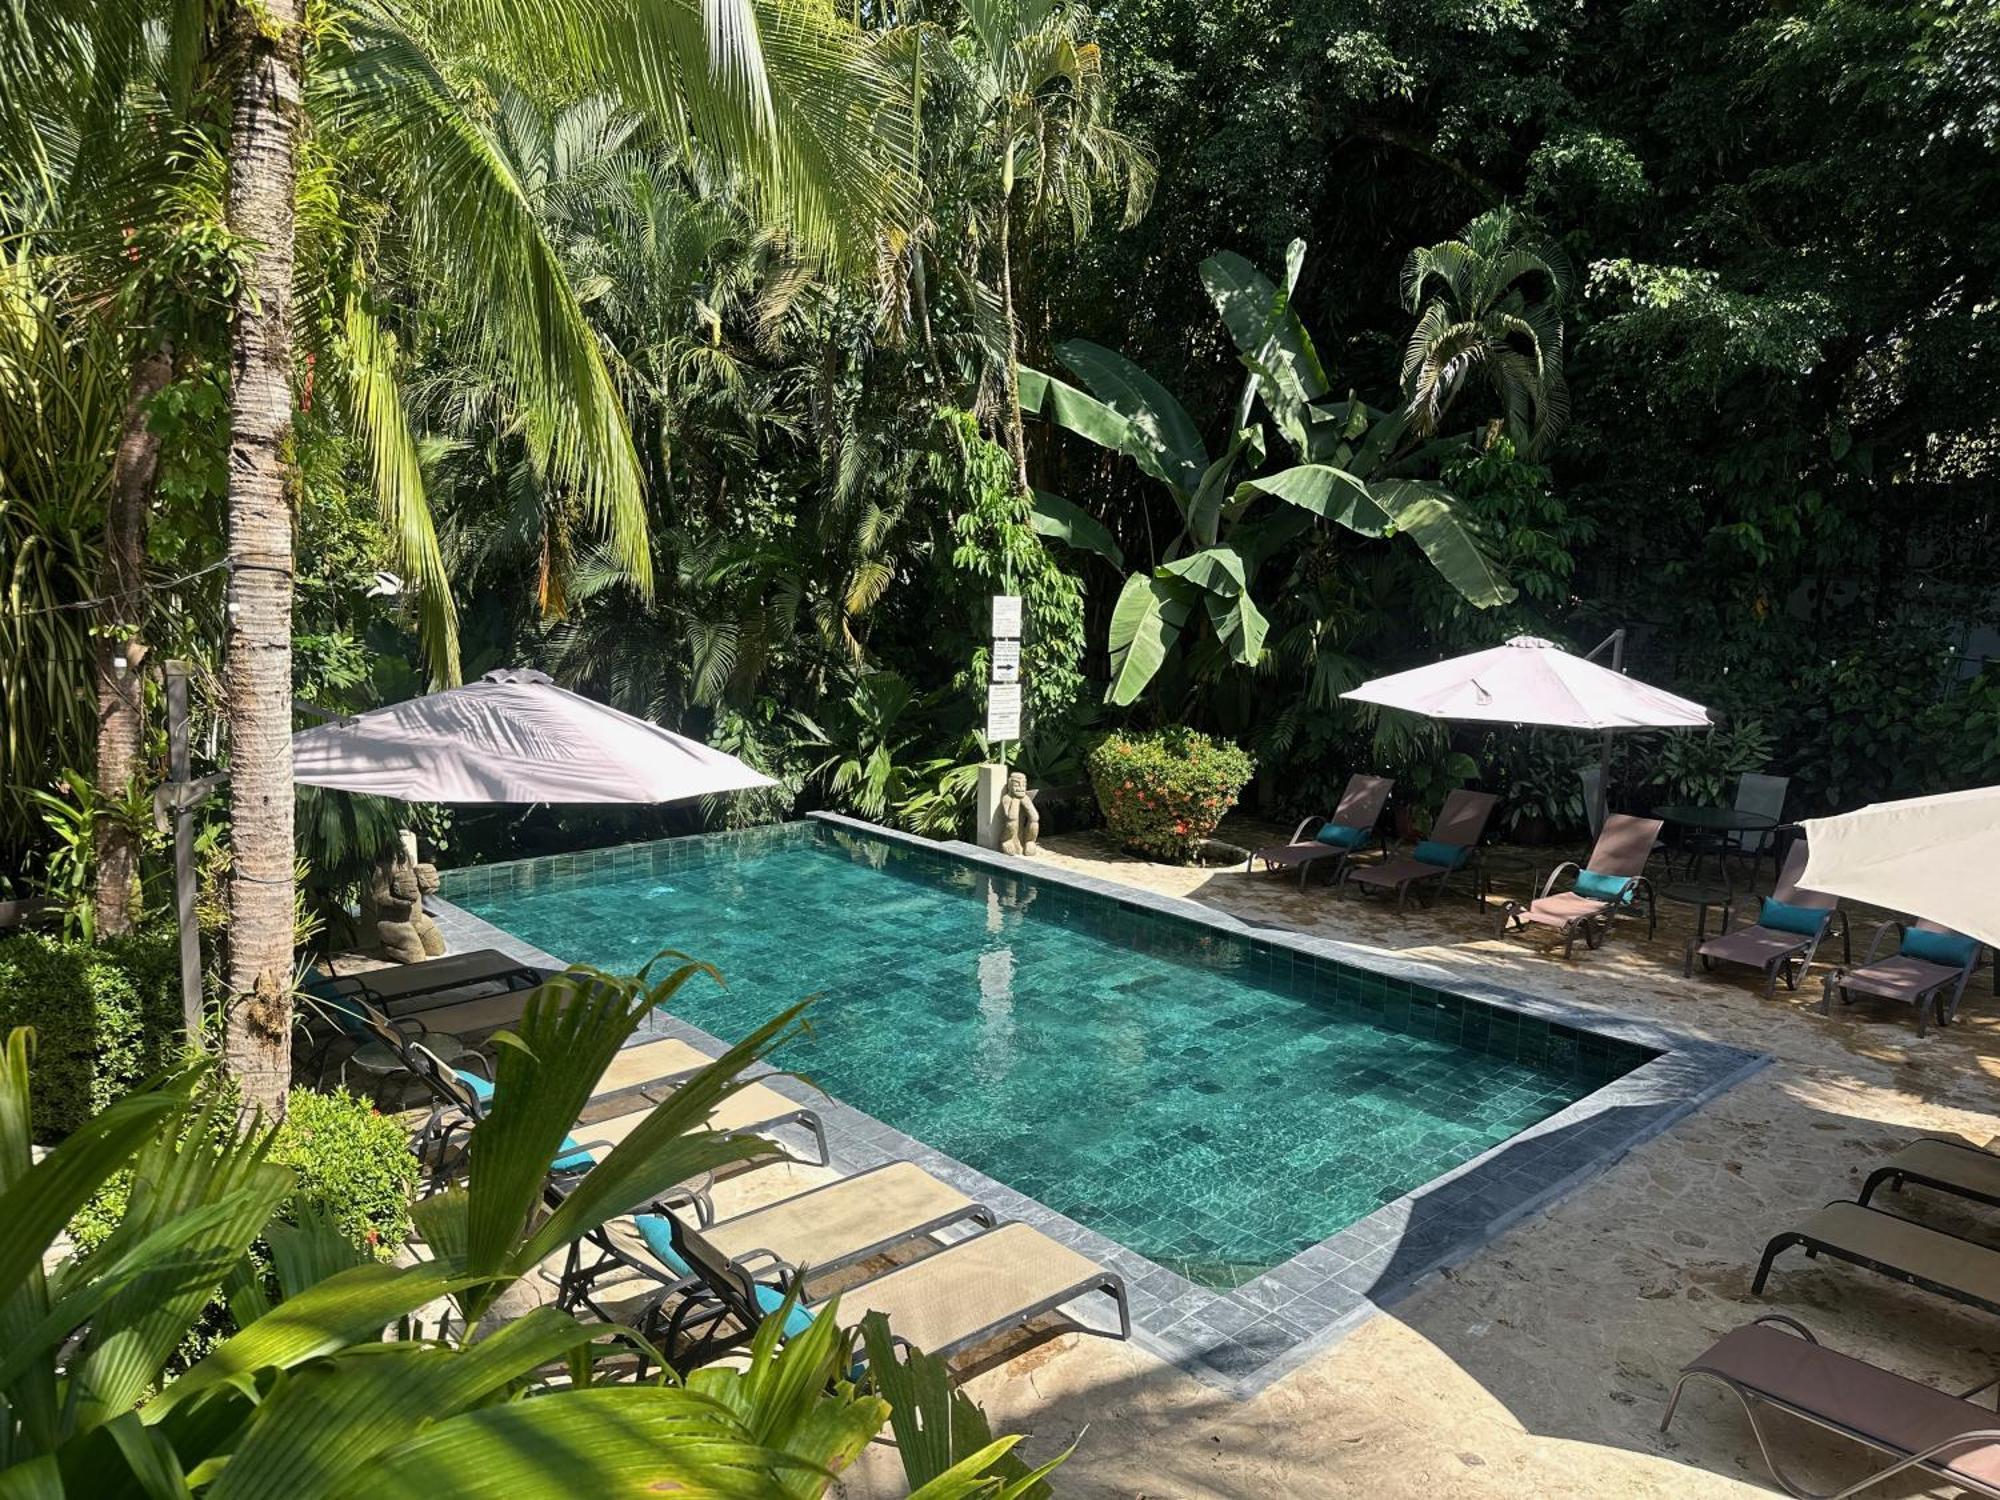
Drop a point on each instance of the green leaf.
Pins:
(1240, 626)
(1218, 570)
(1160, 422)
(1268, 333)
(1428, 515)
(1333, 494)
(1067, 522)
(1205, 512)
(1092, 420)
(1144, 624)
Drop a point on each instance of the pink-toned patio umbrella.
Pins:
(1533, 681)
(513, 736)
(1932, 857)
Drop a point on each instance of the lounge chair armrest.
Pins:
(1548, 889)
(1781, 1321)
(1875, 939)
(1299, 833)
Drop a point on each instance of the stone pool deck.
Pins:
(1540, 1365)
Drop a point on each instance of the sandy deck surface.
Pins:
(1541, 1365)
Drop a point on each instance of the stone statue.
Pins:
(406, 933)
(1020, 824)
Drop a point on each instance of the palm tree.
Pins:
(1489, 307)
(1027, 91)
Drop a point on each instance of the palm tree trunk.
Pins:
(262, 175)
(121, 695)
(1017, 437)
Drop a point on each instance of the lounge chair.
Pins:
(1787, 933)
(1338, 838)
(955, 1299)
(1929, 970)
(1452, 846)
(1946, 1265)
(1956, 1167)
(395, 990)
(1608, 887)
(1918, 1426)
(818, 1232)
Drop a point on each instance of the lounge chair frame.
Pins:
(1792, 963)
(1592, 927)
(1930, 999)
(456, 972)
(1463, 813)
(1895, 1178)
(1305, 853)
(1814, 1247)
(1928, 1459)
(731, 1300)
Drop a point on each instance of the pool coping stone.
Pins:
(1242, 1340)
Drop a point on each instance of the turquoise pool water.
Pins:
(1214, 1104)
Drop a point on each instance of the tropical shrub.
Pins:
(1163, 793)
(1699, 767)
(354, 1166)
(104, 1017)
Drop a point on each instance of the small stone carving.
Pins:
(406, 933)
(1020, 824)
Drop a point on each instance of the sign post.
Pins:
(1003, 713)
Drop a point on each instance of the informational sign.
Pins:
(1007, 616)
(1006, 661)
(1003, 711)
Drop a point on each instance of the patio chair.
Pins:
(1946, 1265)
(1919, 1427)
(1949, 1166)
(1791, 923)
(1929, 970)
(1338, 838)
(1755, 793)
(964, 1294)
(1452, 846)
(822, 1230)
(1609, 886)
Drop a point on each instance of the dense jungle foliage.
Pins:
(1663, 315)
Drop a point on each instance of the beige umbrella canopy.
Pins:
(513, 736)
(1532, 681)
(1934, 857)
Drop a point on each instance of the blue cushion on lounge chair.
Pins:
(1782, 916)
(1451, 856)
(1952, 949)
(659, 1238)
(770, 1299)
(480, 1088)
(573, 1159)
(1605, 887)
(1341, 835)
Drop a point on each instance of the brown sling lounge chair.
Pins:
(1786, 934)
(1613, 884)
(1452, 846)
(1929, 970)
(1337, 838)
(1946, 1265)
(1919, 1427)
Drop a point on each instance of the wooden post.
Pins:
(184, 882)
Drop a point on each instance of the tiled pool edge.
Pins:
(1241, 1341)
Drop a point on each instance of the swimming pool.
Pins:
(1214, 1103)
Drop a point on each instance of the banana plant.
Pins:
(1356, 468)
(309, 1398)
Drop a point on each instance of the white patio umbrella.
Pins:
(1934, 857)
(1533, 681)
(513, 736)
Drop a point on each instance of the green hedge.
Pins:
(104, 1017)
(1163, 793)
(355, 1167)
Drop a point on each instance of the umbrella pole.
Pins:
(1616, 641)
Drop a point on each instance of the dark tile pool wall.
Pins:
(1391, 1003)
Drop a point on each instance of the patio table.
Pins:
(1719, 821)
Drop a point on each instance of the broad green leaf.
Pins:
(1430, 518)
(1160, 421)
(1067, 522)
(605, 1440)
(1330, 493)
(1268, 334)
(1145, 623)
(1091, 419)
(330, 1419)
(154, 1465)
(1205, 511)
(35, 1478)
(1218, 570)
(1240, 626)
(306, 1253)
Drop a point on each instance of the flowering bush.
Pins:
(1163, 793)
